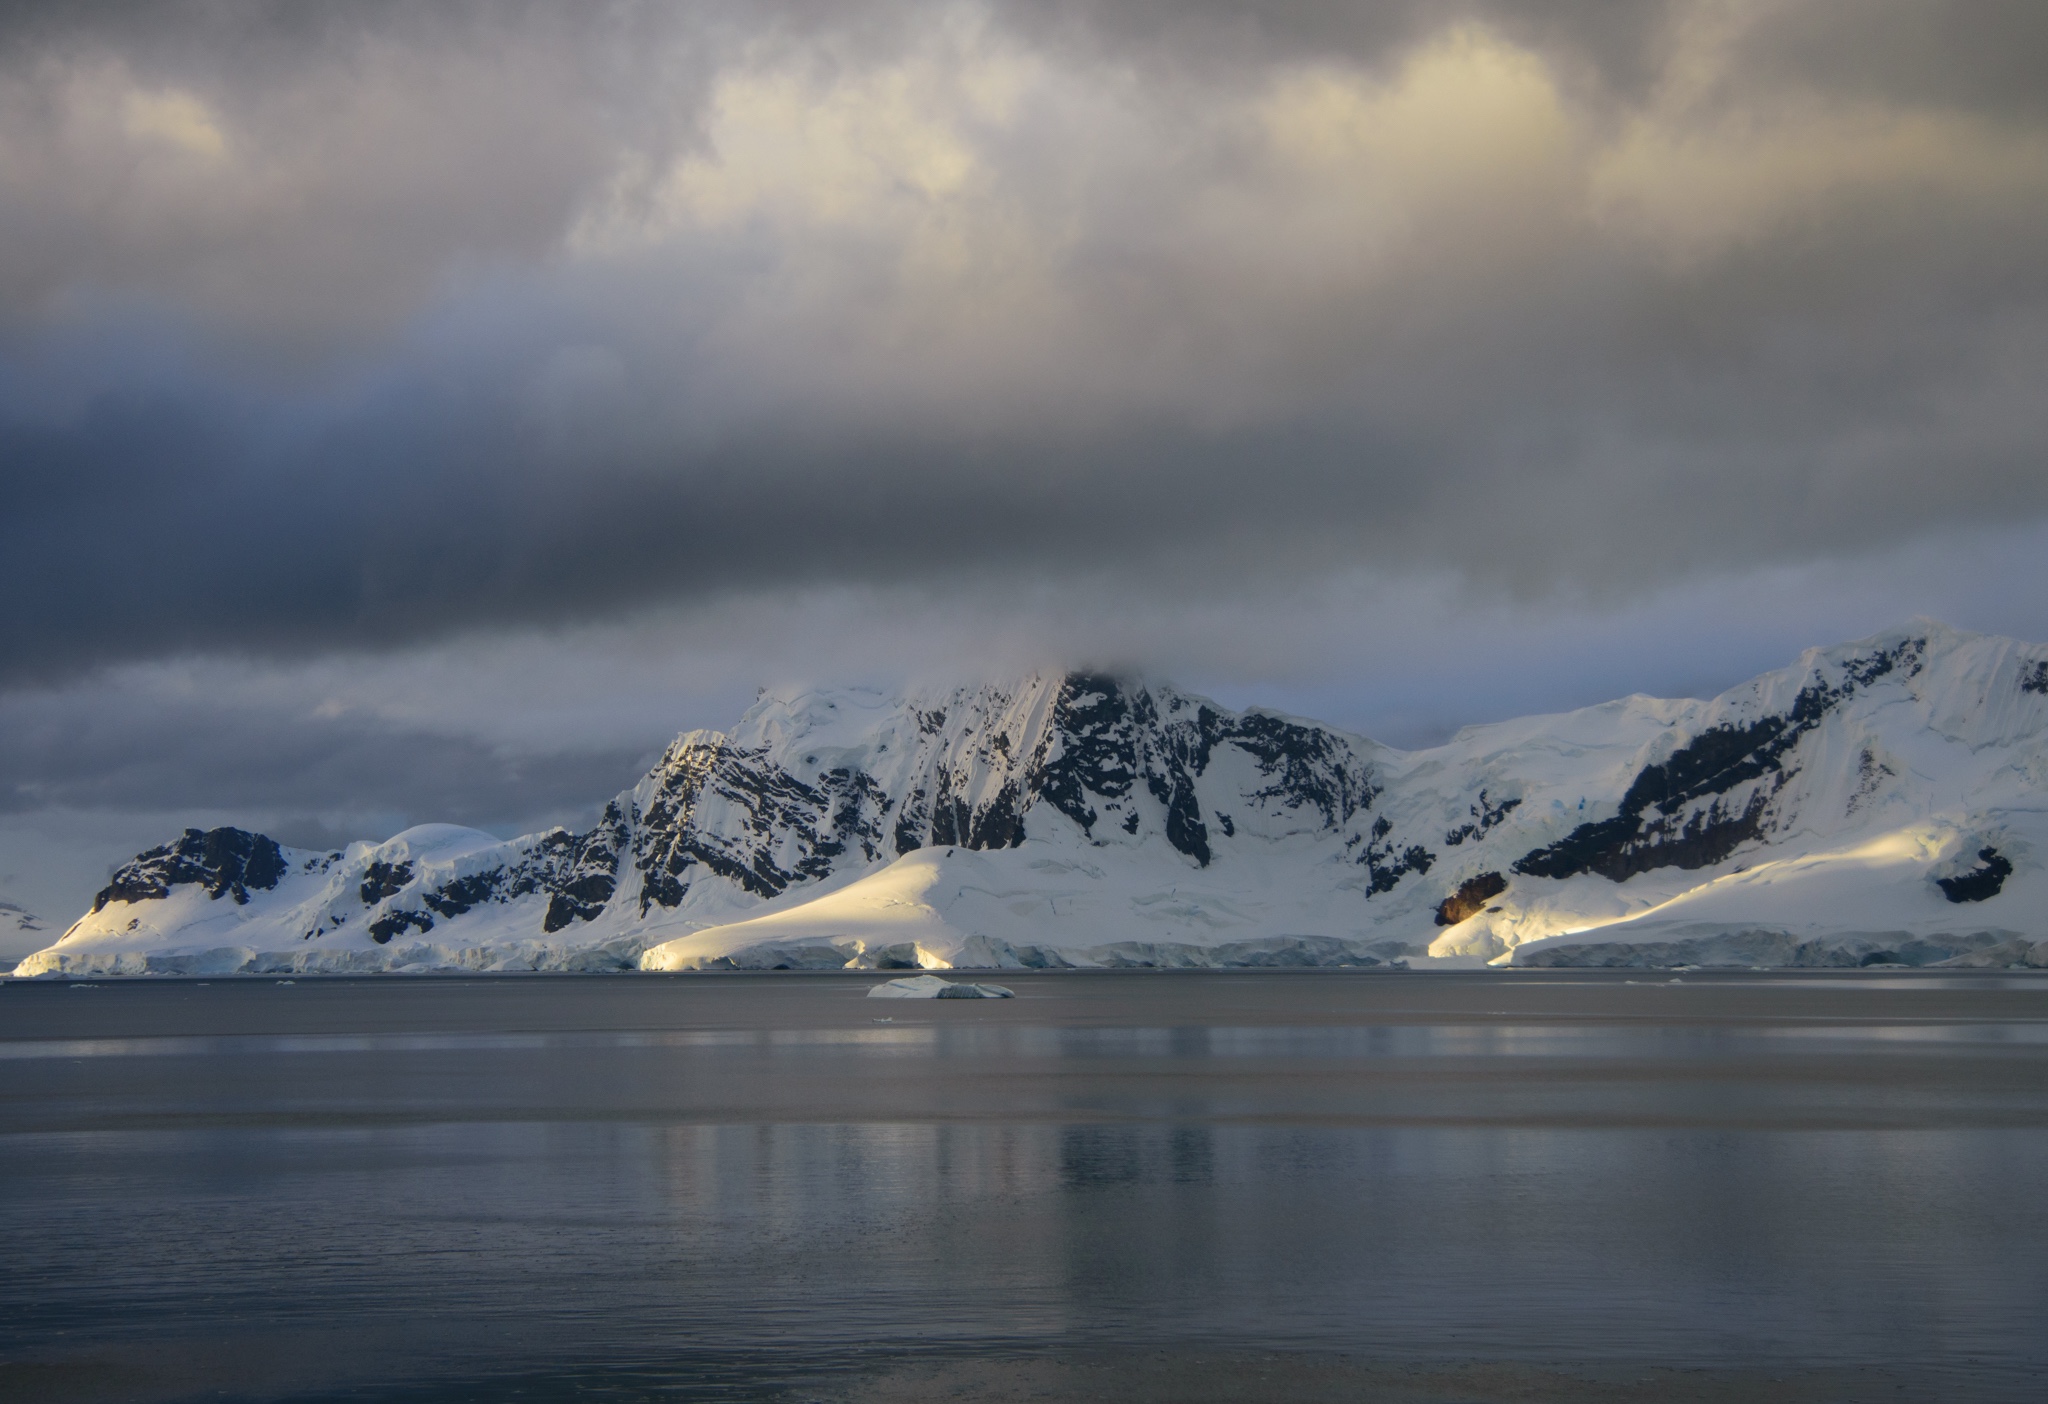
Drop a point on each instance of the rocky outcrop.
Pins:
(769, 829)
(1470, 899)
(225, 862)
(1714, 793)
(1980, 883)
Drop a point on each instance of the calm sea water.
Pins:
(1131, 1184)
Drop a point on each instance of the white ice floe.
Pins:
(932, 987)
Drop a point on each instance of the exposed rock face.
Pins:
(1716, 792)
(1103, 746)
(772, 829)
(1982, 882)
(225, 862)
(381, 880)
(1110, 755)
(1485, 814)
(1470, 899)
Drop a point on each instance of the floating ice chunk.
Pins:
(932, 987)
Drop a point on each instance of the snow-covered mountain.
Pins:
(1878, 802)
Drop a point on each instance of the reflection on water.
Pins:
(1396, 1041)
(302, 1212)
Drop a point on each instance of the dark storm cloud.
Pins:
(363, 325)
(140, 749)
(1981, 55)
(1614, 46)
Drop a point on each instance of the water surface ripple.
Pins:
(1147, 1184)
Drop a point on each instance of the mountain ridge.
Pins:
(1868, 797)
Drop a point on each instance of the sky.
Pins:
(423, 413)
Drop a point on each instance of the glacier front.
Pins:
(1880, 802)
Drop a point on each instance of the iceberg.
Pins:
(932, 987)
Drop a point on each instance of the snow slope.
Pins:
(1881, 801)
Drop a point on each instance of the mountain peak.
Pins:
(1890, 784)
